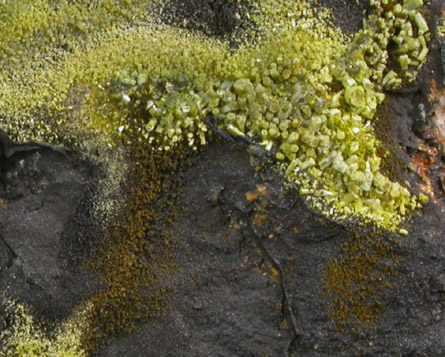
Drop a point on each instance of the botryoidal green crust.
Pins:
(104, 74)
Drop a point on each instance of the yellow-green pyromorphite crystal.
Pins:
(66, 68)
(26, 338)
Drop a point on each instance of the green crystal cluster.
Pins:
(36, 38)
(402, 24)
(302, 88)
(27, 338)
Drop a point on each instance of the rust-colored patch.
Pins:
(437, 98)
(423, 165)
(252, 195)
(260, 190)
(259, 197)
(429, 159)
(274, 273)
(259, 219)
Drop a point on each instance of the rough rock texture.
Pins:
(348, 14)
(251, 279)
(218, 18)
(250, 259)
(40, 193)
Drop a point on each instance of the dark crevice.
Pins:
(352, 10)
(9, 148)
(11, 254)
(258, 238)
(222, 19)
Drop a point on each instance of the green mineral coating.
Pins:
(77, 67)
(108, 74)
(28, 338)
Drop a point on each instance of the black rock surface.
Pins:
(41, 190)
(251, 278)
